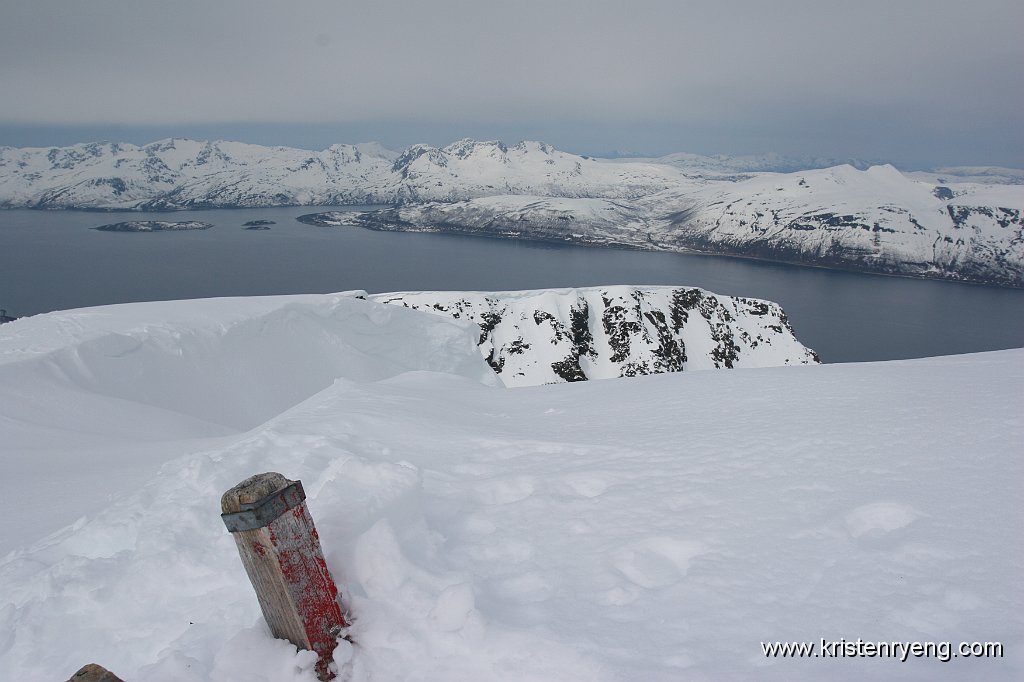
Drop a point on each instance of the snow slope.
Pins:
(655, 528)
(876, 220)
(557, 335)
(605, 222)
(137, 380)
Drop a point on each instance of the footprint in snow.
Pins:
(620, 595)
(585, 483)
(453, 607)
(529, 587)
(505, 490)
(881, 525)
(505, 551)
(657, 562)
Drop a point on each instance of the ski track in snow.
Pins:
(657, 528)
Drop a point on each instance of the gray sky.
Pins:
(916, 82)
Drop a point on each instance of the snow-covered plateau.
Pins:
(952, 223)
(651, 528)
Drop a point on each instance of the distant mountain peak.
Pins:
(467, 146)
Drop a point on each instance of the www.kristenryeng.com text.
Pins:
(904, 651)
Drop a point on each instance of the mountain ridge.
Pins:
(176, 174)
(182, 173)
(547, 336)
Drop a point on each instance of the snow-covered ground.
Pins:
(655, 528)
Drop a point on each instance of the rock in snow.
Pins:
(960, 224)
(655, 528)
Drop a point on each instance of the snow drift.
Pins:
(232, 362)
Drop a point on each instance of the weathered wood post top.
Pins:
(281, 552)
(259, 500)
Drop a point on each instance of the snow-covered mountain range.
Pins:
(553, 336)
(961, 224)
(182, 174)
(876, 220)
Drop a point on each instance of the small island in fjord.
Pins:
(154, 226)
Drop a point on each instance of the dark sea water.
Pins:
(51, 260)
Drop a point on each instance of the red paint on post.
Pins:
(281, 552)
(310, 584)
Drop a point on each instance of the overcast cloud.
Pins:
(917, 82)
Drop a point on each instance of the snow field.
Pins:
(95, 398)
(657, 528)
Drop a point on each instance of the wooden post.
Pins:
(281, 552)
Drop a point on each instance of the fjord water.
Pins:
(51, 260)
